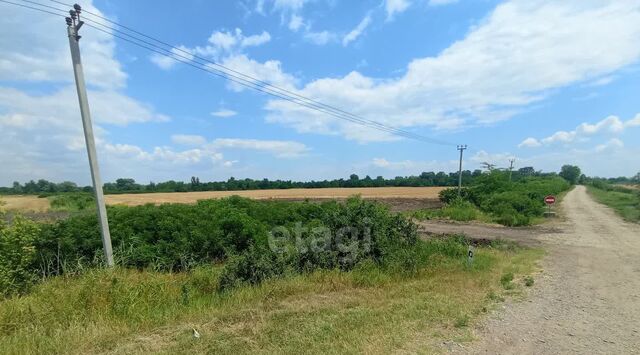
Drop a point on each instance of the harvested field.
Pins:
(399, 198)
(26, 203)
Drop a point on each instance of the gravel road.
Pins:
(587, 299)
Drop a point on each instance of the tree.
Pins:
(636, 179)
(571, 173)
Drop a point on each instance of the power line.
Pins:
(233, 75)
(172, 47)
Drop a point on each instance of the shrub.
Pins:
(17, 255)
(345, 235)
(77, 201)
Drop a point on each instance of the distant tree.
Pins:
(17, 188)
(571, 173)
(636, 178)
(527, 171)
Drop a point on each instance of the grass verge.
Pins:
(625, 203)
(370, 309)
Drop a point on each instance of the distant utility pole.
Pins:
(73, 25)
(461, 148)
(511, 161)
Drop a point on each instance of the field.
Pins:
(400, 198)
(27, 203)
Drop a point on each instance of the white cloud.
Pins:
(220, 44)
(296, 22)
(356, 32)
(610, 125)
(612, 144)
(224, 113)
(40, 51)
(188, 139)
(530, 143)
(393, 7)
(320, 38)
(180, 53)
(412, 167)
(269, 71)
(441, 2)
(281, 149)
(489, 75)
(108, 107)
(499, 159)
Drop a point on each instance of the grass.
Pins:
(72, 202)
(369, 309)
(626, 204)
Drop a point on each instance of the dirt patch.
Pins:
(528, 236)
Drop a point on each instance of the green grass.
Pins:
(367, 310)
(72, 202)
(626, 204)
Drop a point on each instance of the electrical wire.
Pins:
(228, 73)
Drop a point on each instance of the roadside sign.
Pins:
(550, 200)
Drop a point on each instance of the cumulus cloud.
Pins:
(530, 142)
(489, 75)
(610, 125)
(220, 44)
(270, 71)
(40, 52)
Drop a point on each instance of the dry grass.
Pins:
(30, 203)
(363, 311)
(26, 203)
(327, 193)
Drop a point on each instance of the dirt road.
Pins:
(586, 301)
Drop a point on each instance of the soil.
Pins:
(587, 298)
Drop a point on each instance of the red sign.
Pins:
(550, 200)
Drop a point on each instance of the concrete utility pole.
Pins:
(73, 25)
(461, 148)
(511, 161)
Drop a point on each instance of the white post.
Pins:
(88, 136)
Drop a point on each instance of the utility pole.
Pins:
(461, 148)
(73, 25)
(511, 161)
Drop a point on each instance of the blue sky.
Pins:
(546, 82)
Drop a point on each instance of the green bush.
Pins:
(345, 235)
(76, 201)
(511, 203)
(17, 255)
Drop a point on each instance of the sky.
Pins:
(545, 82)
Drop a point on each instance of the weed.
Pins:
(506, 281)
(528, 281)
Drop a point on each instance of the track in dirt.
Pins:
(587, 300)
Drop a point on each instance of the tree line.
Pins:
(128, 185)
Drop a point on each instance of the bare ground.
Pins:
(586, 300)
